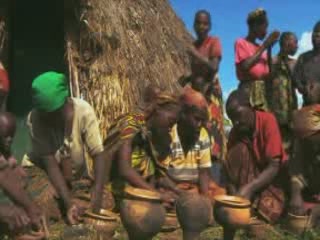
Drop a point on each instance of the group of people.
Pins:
(270, 157)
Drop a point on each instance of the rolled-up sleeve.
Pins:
(91, 133)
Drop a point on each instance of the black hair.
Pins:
(257, 17)
(316, 26)
(205, 12)
(284, 36)
(239, 97)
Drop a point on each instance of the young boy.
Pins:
(19, 211)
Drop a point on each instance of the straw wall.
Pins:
(117, 47)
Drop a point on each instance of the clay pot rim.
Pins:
(291, 215)
(171, 215)
(31, 235)
(104, 215)
(139, 193)
(233, 201)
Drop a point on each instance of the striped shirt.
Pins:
(181, 167)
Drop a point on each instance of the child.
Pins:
(7, 132)
(20, 212)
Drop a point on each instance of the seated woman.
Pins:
(255, 157)
(64, 133)
(131, 141)
(189, 161)
(17, 210)
(304, 166)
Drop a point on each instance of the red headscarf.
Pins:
(4, 79)
(191, 97)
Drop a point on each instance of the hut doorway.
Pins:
(37, 45)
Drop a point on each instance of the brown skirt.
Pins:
(241, 169)
(44, 194)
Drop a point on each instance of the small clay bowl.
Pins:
(171, 223)
(257, 229)
(31, 236)
(297, 224)
(105, 223)
(232, 211)
(75, 232)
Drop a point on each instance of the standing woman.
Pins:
(205, 59)
(252, 60)
(283, 99)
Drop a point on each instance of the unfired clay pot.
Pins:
(232, 212)
(142, 213)
(194, 213)
(105, 223)
(298, 224)
(171, 222)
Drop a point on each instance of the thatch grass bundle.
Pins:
(116, 48)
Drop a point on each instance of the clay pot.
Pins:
(142, 213)
(257, 229)
(105, 223)
(297, 224)
(231, 211)
(194, 213)
(77, 231)
(171, 222)
(31, 236)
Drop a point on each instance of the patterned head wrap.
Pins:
(159, 100)
(306, 121)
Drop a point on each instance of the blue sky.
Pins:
(229, 23)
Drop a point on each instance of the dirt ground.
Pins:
(213, 233)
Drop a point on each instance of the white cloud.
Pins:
(305, 43)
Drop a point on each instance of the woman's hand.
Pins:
(271, 39)
(35, 214)
(16, 218)
(191, 50)
(74, 214)
(168, 198)
(12, 162)
(246, 192)
(296, 205)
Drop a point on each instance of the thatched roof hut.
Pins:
(113, 49)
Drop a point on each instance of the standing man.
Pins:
(308, 62)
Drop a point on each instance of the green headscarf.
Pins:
(49, 91)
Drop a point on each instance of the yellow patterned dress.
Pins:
(130, 126)
(283, 99)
